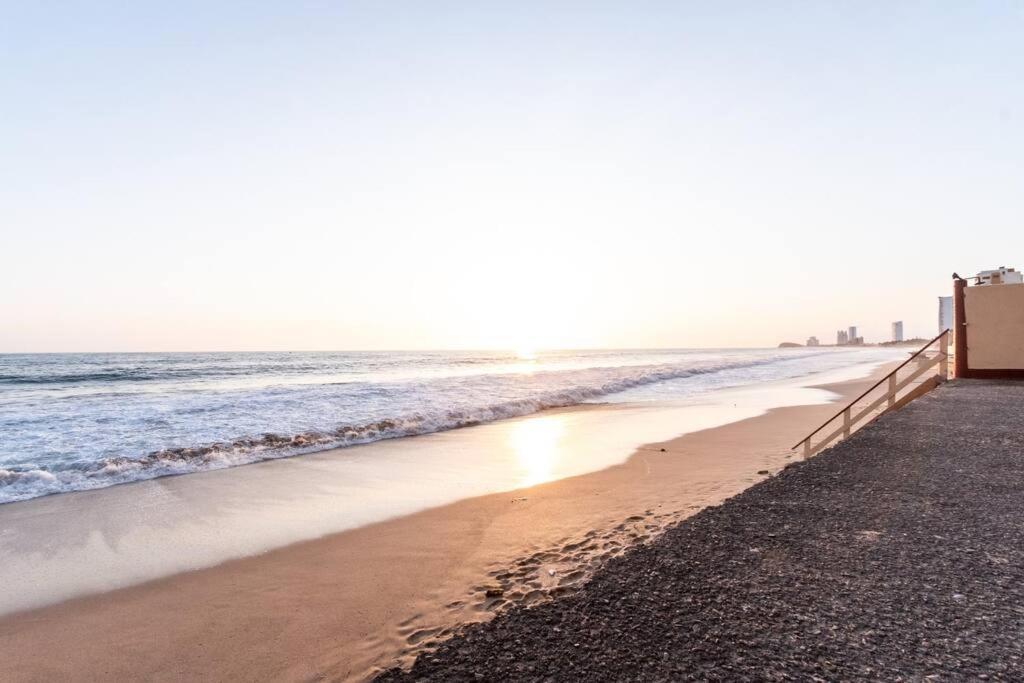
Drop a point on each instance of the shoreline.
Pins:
(895, 555)
(348, 604)
(272, 413)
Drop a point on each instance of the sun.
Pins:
(526, 353)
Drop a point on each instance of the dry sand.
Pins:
(898, 555)
(350, 604)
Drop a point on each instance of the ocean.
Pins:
(72, 422)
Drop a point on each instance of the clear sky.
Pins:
(357, 175)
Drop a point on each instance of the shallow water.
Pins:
(62, 546)
(82, 421)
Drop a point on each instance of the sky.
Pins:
(405, 175)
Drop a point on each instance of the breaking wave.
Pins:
(420, 406)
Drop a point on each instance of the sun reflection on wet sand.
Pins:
(536, 445)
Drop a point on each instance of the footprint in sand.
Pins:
(545, 574)
(533, 597)
(493, 604)
(419, 636)
(409, 621)
(571, 577)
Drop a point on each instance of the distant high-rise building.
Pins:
(813, 341)
(897, 331)
(841, 337)
(851, 334)
(945, 313)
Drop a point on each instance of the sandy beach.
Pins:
(349, 604)
(335, 334)
(894, 556)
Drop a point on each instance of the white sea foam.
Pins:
(83, 422)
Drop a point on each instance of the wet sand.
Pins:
(351, 603)
(897, 555)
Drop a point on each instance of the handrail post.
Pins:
(846, 422)
(959, 329)
(892, 390)
(807, 448)
(944, 350)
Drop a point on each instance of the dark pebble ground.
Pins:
(896, 555)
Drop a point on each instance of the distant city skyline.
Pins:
(203, 177)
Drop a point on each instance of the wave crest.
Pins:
(29, 483)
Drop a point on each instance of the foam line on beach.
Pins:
(22, 483)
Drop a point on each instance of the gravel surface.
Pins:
(896, 555)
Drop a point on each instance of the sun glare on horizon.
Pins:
(526, 353)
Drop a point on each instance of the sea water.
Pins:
(83, 421)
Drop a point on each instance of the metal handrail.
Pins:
(877, 384)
